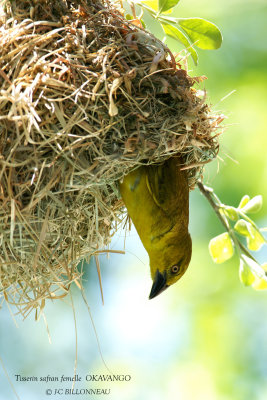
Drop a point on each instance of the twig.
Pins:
(209, 194)
(206, 191)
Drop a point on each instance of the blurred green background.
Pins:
(206, 337)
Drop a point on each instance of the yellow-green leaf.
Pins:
(243, 227)
(203, 33)
(175, 33)
(260, 283)
(245, 199)
(152, 3)
(255, 240)
(165, 5)
(231, 213)
(253, 205)
(221, 248)
(245, 274)
(255, 267)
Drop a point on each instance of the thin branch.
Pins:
(208, 193)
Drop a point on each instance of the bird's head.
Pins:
(169, 263)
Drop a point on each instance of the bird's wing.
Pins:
(167, 185)
(156, 184)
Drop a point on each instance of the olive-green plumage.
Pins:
(157, 200)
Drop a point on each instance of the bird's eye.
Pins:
(175, 269)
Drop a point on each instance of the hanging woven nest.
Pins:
(85, 97)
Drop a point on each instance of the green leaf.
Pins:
(256, 268)
(175, 33)
(203, 33)
(255, 240)
(243, 227)
(152, 4)
(253, 205)
(231, 213)
(143, 23)
(245, 274)
(165, 5)
(221, 248)
(245, 199)
(261, 283)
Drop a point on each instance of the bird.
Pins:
(156, 197)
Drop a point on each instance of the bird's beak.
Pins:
(159, 285)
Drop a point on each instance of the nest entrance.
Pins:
(85, 97)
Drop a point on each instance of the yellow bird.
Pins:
(157, 201)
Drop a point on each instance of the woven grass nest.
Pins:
(86, 96)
